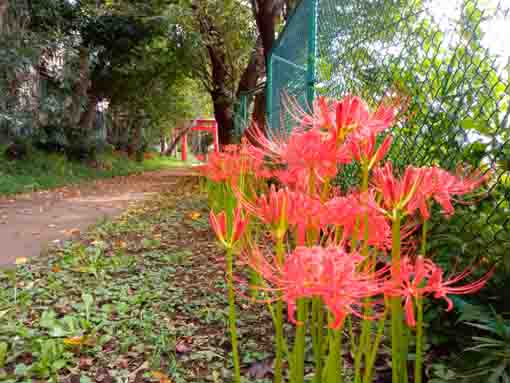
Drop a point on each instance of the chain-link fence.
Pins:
(243, 111)
(449, 61)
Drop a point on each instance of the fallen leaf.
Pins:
(74, 341)
(195, 215)
(122, 363)
(21, 261)
(260, 370)
(163, 378)
(182, 347)
(56, 269)
(85, 363)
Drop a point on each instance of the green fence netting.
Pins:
(449, 60)
(243, 111)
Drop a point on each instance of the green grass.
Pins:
(46, 171)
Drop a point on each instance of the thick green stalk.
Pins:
(404, 349)
(232, 316)
(364, 339)
(364, 188)
(424, 238)
(299, 341)
(419, 341)
(335, 362)
(369, 368)
(278, 367)
(317, 336)
(396, 307)
(362, 349)
(419, 322)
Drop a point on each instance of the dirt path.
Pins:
(31, 222)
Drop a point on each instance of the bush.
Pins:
(18, 150)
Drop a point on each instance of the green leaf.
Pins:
(88, 300)
(479, 126)
(20, 369)
(3, 353)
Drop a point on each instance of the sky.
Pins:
(496, 31)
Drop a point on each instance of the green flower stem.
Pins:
(232, 315)
(419, 341)
(369, 368)
(279, 335)
(396, 307)
(364, 188)
(419, 321)
(335, 362)
(424, 238)
(404, 349)
(317, 336)
(299, 341)
(364, 340)
(362, 349)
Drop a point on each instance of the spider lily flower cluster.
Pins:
(335, 257)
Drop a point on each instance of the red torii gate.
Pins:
(203, 125)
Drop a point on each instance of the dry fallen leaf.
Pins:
(85, 363)
(162, 377)
(75, 231)
(21, 261)
(74, 341)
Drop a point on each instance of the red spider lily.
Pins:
(309, 150)
(352, 115)
(228, 238)
(418, 186)
(323, 116)
(398, 193)
(349, 211)
(423, 277)
(272, 208)
(225, 166)
(305, 214)
(329, 273)
(364, 150)
(441, 186)
(235, 161)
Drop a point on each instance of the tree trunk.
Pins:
(88, 117)
(162, 141)
(222, 100)
(4, 6)
(223, 113)
(80, 89)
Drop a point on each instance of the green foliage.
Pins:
(44, 171)
(104, 52)
(486, 353)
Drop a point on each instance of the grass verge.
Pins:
(46, 171)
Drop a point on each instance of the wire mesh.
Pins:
(448, 60)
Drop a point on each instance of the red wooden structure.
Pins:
(202, 125)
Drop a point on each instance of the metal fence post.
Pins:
(312, 53)
(269, 90)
